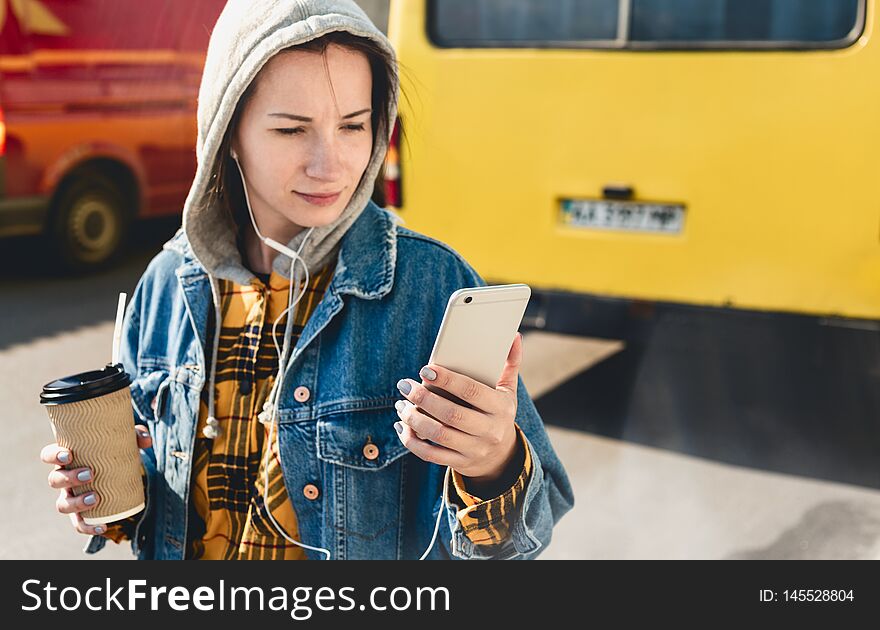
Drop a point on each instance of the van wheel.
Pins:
(89, 223)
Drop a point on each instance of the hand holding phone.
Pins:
(465, 417)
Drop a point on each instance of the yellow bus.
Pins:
(696, 177)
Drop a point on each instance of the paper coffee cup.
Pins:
(91, 415)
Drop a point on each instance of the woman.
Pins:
(316, 442)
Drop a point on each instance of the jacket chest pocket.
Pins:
(156, 383)
(364, 463)
(148, 392)
(362, 440)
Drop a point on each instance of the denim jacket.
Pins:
(375, 325)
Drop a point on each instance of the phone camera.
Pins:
(468, 299)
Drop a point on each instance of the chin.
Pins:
(312, 216)
(310, 219)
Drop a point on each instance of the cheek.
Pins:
(361, 153)
(282, 164)
(274, 172)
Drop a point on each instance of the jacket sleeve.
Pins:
(548, 494)
(487, 521)
(128, 350)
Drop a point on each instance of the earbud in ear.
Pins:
(233, 154)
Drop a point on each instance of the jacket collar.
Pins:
(364, 267)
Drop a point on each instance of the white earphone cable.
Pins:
(270, 408)
(440, 513)
(269, 413)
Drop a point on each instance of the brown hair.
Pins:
(226, 184)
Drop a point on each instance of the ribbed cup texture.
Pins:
(100, 434)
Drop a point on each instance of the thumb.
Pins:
(510, 374)
(144, 439)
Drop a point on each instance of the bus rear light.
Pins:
(393, 183)
(2, 133)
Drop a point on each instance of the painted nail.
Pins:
(404, 386)
(64, 457)
(427, 373)
(84, 475)
(398, 427)
(99, 530)
(399, 405)
(89, 499)
(143, 434)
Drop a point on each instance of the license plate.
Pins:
(626, 216)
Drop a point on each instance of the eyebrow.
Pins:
(307, 119)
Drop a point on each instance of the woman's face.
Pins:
(293, 140)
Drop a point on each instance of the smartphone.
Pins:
(478, 328)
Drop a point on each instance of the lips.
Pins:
(324, 199)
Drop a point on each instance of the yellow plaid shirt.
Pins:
(227, 519)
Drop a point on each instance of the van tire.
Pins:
(89, 222)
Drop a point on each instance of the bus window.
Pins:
(646, 23)
(743, 20)
(486, 22)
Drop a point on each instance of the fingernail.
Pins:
(64, 457)
(143, 434)
(99, 530)
(398, 427)
(89, 499)
(84, 475)
(427, 373)
(399, 406)
(404, 386)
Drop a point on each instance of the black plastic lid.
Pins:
(85, 385)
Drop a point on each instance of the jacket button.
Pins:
(371, 451)
(301, 393)
(311, 492)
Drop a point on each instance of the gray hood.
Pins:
(247, 34)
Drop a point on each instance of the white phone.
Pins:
(478, 328)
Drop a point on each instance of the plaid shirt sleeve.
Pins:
(487, 522)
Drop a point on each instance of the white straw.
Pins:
(117, 332)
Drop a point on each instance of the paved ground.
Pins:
(632, 501)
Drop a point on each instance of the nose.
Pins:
(325, 161)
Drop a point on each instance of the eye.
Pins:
(359, 127)
(290, 131)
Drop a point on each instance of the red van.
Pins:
(97, 117)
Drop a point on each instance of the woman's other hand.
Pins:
(66, 480)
